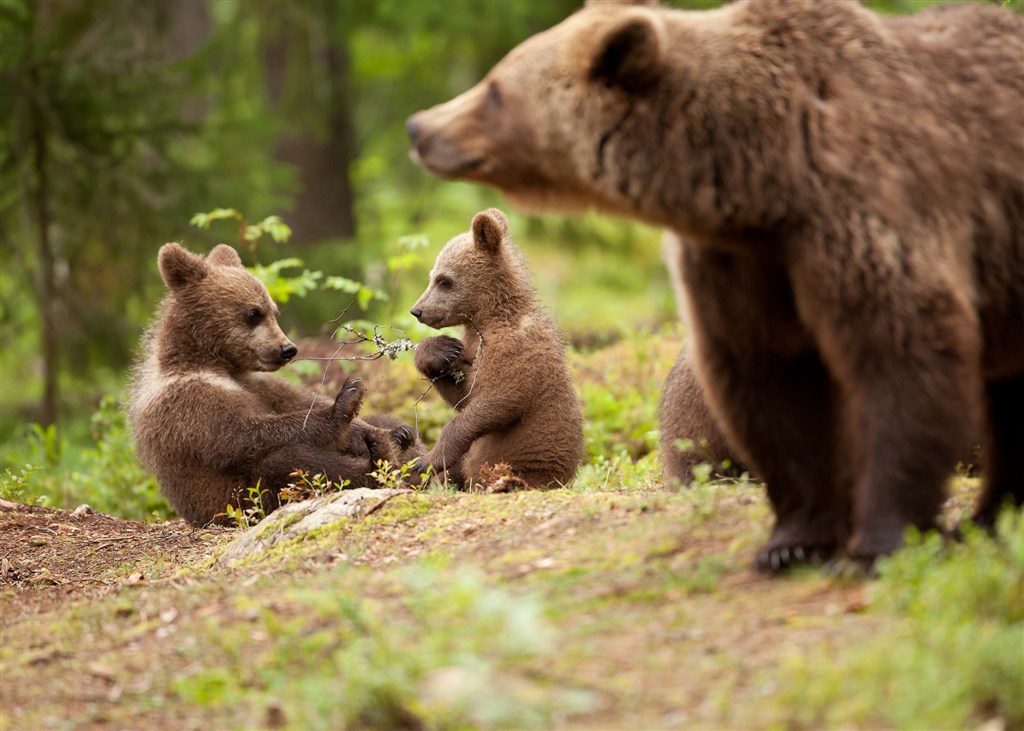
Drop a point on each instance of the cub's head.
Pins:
(477, 275)
(218, 313)
(546, 123)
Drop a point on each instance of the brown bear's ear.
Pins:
(630, 55)
(489, 228)
(223, 255)
(179, 267)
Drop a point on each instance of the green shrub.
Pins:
(105, 474)
(950, 655)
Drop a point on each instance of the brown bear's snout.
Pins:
(416, 312)
(412, 128)
(288, 352)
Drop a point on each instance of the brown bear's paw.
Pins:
(438, 356)
(348, 401)
(776, 559)
(881, 536)
(380, 446)
(797, 544)
(403, 437)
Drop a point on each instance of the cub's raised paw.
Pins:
(349, 399)
(438, 355)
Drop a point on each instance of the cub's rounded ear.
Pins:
(598, 3)
(490, 228)
(180, 267)
(630, 54)
(225, 256)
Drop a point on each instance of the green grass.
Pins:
(952, 651)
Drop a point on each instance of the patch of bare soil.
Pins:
(50, 557)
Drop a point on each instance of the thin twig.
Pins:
(391, 349)
(476, 361)
(416, 403)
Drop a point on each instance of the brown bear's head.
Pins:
(477, 275)
(541, 125)
(218, 314)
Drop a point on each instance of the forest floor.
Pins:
(607, 608)
(618, 602)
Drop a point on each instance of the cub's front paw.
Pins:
(436, 356)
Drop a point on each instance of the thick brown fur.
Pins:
(690, 436)
(849, 189)
(208, 417)
(689, 433)
(508, 377)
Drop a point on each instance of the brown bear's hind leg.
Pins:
(1003, 455)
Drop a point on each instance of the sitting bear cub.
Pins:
(508, 377)
(208, 418)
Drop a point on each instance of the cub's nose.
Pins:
(416, 312)
(289, 351)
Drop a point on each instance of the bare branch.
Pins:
(476, 361)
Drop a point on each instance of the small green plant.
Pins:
(251, 509)
(14, 485)
(396, 477)
(307, 487)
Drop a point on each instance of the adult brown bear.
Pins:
(850, 191)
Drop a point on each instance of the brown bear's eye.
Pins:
(493, 95)
(444, 282)
(254, 316)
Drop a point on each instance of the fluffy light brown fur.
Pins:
(849, 189)
(208, 417)
(508, 377)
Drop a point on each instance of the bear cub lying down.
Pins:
(507, 377)
(208, 418)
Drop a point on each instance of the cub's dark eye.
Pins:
(493, 96)
(443, 282)
(254, 316)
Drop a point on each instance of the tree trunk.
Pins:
(323, 145)
(46, 287)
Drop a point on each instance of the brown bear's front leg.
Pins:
(444, 361)
(1003, 453)
(775, 399)
(904, 347)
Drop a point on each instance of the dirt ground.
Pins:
(51, 557)
(658, 616)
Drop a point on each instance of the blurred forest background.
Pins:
(120, 119)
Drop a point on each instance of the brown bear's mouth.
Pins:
(443, 158)
(271, 364)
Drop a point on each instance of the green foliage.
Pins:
(620, 388)
(14, 485)
(397, 476)
(949, 654)
(273, 226)
(450, 657)
(41, 468)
